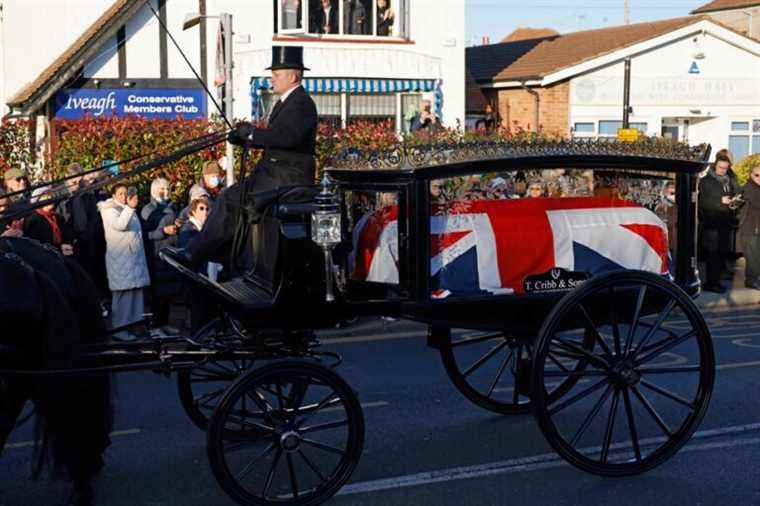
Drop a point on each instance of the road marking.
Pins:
(116, 433)
(737, 365)
(536, 462)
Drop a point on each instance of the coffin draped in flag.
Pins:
(491, 246)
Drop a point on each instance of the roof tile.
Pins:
(569, 49)
(721, 5)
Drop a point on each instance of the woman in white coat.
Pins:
(125, 257)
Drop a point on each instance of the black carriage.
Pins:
(576, 304)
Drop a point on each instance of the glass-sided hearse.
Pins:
(554, 276)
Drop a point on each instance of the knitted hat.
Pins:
(211, 167)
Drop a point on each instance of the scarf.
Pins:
(196, 223)
(52, 220)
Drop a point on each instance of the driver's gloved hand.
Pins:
(241, 135)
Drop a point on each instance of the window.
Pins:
(372, 107)
(410, 106)
(609, 127)
(328, 107)
(336, 18)
(742, 142)
(583, 128)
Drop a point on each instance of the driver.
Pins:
(289, 145)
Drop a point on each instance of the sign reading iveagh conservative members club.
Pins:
(149, 103)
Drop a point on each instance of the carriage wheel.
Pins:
(201, 388)
(305, 435)
(493, 370)
(645, 388)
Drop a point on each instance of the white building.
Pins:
(692, 79)
(67, 58)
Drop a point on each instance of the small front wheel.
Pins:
(304, 435)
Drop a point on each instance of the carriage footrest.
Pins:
(246, 293)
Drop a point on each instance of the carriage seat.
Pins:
(241, 292)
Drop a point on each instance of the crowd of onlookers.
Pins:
(115, 237)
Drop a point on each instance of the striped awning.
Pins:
(318, 85)
(356, 86)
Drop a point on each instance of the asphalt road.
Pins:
(425, 443)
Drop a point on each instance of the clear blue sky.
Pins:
(497, 18)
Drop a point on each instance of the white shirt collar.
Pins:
(287, 93)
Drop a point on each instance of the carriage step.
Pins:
(246, 293)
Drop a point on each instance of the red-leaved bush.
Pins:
(94, 141)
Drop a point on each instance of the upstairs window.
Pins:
(342, 18)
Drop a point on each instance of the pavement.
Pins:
(736, 296)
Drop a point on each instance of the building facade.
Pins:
(103, 57)
(692, 79)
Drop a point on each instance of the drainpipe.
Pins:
(536, 96)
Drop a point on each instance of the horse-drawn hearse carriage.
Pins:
(576, 304)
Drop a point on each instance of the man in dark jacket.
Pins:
(325, 18)
(717, 220)
(289, 145)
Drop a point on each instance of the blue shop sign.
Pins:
(162, 103)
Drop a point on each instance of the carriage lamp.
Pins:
(326, 229)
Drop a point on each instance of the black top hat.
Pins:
(287, 57)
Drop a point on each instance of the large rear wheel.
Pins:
(645, 388)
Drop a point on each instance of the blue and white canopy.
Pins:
(355, 86)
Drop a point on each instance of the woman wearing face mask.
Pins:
(160, 228)
(211, 181)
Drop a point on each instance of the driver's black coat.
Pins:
(288, 159)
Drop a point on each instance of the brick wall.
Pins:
(518, 107)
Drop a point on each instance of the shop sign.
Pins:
(160, 103)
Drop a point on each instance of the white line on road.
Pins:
(544, 461)
(116, 433)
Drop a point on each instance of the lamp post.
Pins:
(226, 21)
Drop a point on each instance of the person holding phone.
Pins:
(125, 258)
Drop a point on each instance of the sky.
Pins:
(498, 18)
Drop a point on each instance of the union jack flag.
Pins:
(493, 245)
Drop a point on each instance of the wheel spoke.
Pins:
(324, 426)
(474, 340)
(312, 466)
(327, 401)
(280, 397)
(614, 321)
(556, 362)
(503, 366)
(632, 425)
(250, 425)
(203, 399)
(516, 390)
(574, 374)
(657, 324)
(590, 327)
(575, 348)
(652, 412)
(667, 393)
(610, 427)
(322, 446)
(252, 464)
(635, 321)
(665, 347)
(485, 358)
(259, 400)
(577, 397)
(297, 394)
(292, 473)
(270, 474)
(590, 417)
